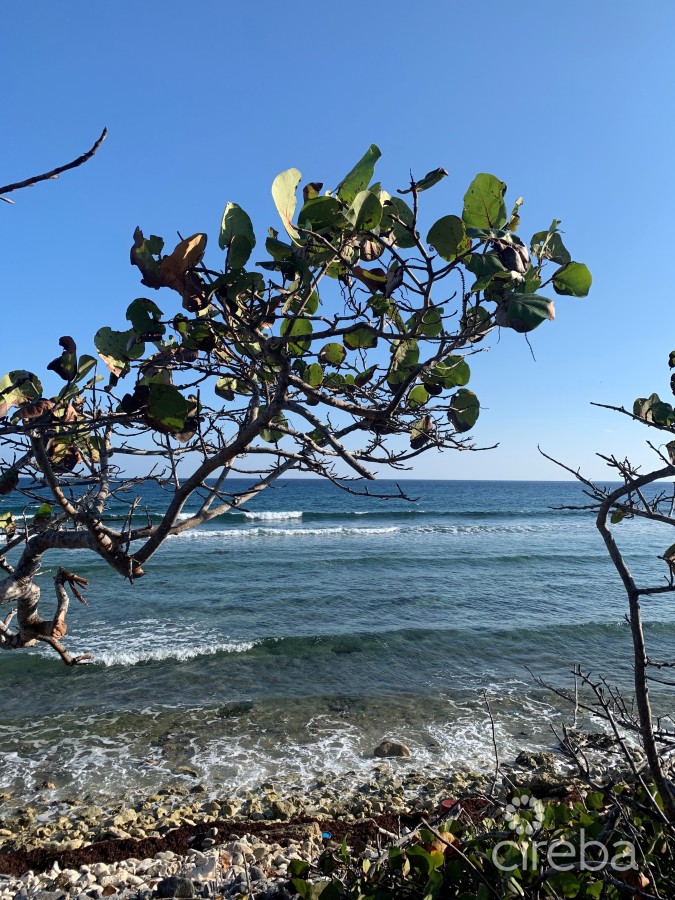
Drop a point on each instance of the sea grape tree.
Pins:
(642, 493)
(342, 348)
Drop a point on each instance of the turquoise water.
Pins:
(293, 636)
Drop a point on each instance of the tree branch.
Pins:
(54, 173)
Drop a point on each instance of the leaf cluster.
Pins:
(470, 858)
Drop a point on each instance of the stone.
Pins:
(124, 818)
(229, 810)
(391, 748)
(175, 886)
(527, 759)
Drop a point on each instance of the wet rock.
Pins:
(175, 887)
(391, 748)
(531, 760)
(45, 786)
(282, 809)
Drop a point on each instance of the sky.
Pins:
(572, 105)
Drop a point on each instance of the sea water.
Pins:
(290, 637)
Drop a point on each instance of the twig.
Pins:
(466, 859)
(54, 173)
(494, 742)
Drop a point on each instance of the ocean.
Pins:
(290, 638)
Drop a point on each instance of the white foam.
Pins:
(233, 533)
(282, 514)
(131, 656)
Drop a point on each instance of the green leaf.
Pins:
(420, 433)
(565, 883)
(332, 354)
(236, 234)
(573, 280)
(361, 338)
(448, 237)
(320, 212)
(428, 323)
(313, 375)
(616, 517)
(284, 187)
(476, 323)
(278, 250)
(84, 367)
(430, 180)
(7, 523)
(298, 867)
(549, 245)
(360, 176)
(418, 396)
(297, 328)
(464, 410)
(225, 387)
(144, 316)
(301, 304)
(167, 409)
(9, 478)
(403, 237)
(483, 265)
(524, 312)
(364, 377)
(365, 213)
(118, 348)
(273, 435)
(65, 365)
(43, 515)
(668, 554)
(405, 354)
(484, 205)
(144, 253)
(454, 371)
(18, 387)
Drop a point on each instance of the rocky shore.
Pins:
(188, 842)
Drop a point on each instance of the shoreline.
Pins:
(124, 849)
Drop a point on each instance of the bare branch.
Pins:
(53, 173)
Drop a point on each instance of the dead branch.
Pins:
(53, 173)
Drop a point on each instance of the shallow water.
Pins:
(293, 636)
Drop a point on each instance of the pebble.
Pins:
(216, 867)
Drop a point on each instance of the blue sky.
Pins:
(571, 104)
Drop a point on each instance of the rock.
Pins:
(124, 817)
(228, 810)
(72, 845)
(45, 786)
(207, 872)
(282, 809)
(391, 748)
(175, 887)
(527, 759)
(186, 770)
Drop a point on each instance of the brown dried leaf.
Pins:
(184, 258)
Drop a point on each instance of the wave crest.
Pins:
(133, 656)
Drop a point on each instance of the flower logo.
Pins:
(524, 814)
